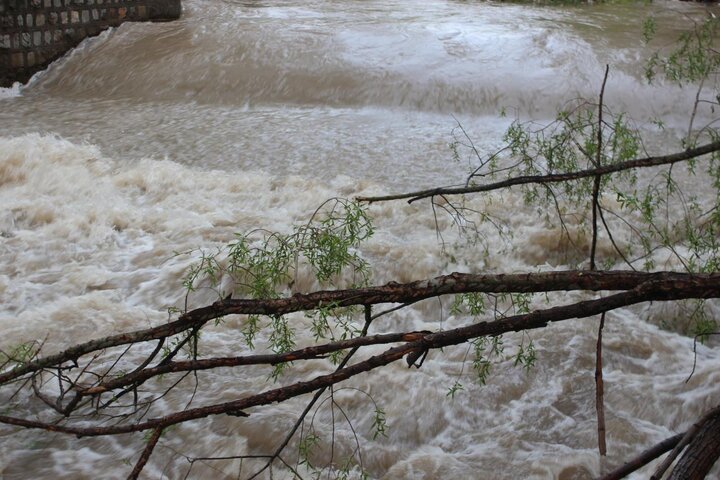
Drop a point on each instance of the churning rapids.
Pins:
(160, 138)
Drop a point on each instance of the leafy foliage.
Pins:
(261, 264)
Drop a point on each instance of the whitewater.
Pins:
(152, 140)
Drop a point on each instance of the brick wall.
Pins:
(33, 33)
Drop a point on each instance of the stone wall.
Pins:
(33, 33)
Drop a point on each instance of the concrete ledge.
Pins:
(34, 33)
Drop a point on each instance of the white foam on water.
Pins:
(448, 58)
(14, 91)
(180, 138)
(88, 248)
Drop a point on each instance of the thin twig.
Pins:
(599, 387)
(695, 339)
(368, 320)
(598, 178)
(600, 390)
(612, 240)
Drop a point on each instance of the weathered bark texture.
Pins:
(702, 452)
(644, 458)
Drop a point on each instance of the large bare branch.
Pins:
(390, 293)
(702, 452)
(706, 286)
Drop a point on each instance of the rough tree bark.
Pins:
(701, 454)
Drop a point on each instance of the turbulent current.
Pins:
(153, 139)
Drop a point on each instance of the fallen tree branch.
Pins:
(692, 287)
(390, 293)
(600, 390)
(702, 452)
(553, 177)
(145, 456)
(643, 458)
(698, 428)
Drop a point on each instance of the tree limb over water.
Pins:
(552, 177)
(390, 293)
(98, 388)
(637, 287)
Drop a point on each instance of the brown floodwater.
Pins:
(153, 139)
